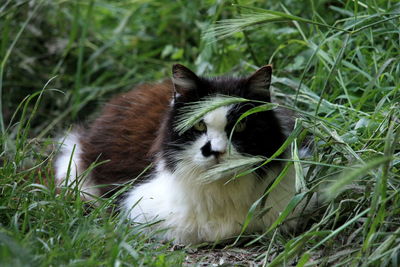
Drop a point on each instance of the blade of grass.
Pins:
(81, 51)
(348, 177)
(256, 204)
(192, 113)
(5, 59)
(255, 16)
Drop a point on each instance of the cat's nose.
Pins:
(207, 151)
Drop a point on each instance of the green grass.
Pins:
(336, 63)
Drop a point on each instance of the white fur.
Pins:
(190, 212)
(68, 169)
(216, 121)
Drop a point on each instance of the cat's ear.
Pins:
(260, 81)
(184, 79)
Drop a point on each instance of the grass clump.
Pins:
(336, 63)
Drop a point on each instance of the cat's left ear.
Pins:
(184, 79)
(260, 81)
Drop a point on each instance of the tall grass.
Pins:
(336, 63)
(355, 119)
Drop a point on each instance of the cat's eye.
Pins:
(240, 127)
(200, 126)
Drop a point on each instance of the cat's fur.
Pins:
(137, 128)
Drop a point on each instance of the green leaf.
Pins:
(303, 260)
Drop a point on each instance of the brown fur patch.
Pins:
(125, 134)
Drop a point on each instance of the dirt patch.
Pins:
(224, 257)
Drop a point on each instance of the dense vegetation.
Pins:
(337, 63)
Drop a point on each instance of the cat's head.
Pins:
(207, 142)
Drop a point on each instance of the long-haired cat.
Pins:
(137, 129)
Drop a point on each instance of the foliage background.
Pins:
(61, 60)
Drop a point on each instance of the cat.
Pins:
(138, 128)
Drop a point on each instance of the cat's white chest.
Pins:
(189, 212)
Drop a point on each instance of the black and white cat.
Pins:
(138, 128)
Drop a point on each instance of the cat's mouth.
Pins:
(215, 159)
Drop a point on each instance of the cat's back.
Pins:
(134, 115)
(121, 138)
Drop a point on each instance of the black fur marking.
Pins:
(263, 134)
